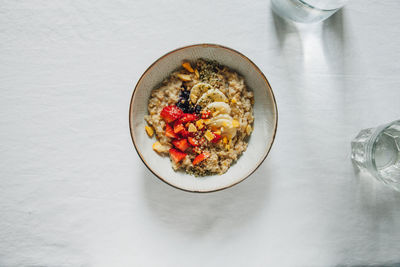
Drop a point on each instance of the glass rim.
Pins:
(371, 146)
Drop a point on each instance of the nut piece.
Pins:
(192, 128)
(209, 135)
(199, 124)
(149, 130)
(184, 77)
(248, 129)
(235, 123)
(225, 140)
(187, 66)
(159, 148)
(233, 101)
(196, 72)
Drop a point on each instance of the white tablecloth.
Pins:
(73, 191)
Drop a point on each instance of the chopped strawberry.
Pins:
(193, 141)
(200, 158)
(185, 133)
(216, 138)
(176, 155)
(205, 114)
(182, 144)
(171, 113)
(169, 132)
(187, 117)
(178, 126)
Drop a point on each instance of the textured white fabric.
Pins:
(73, 191)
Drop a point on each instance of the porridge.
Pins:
(202, 117)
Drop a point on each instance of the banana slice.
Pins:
(212, 95)
(224, 123)
(222, 117)
(198, 90)
(221, 107)
(230, 133)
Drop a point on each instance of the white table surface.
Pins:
(73, 191)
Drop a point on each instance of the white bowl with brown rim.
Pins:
(265, 118)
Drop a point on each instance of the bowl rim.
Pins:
(255, 68)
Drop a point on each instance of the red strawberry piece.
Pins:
(169, 132)
(178, 126)
(182, 144)
(193, 141)
(216, 138)
(205, 114)
(176, 155)
(200, 158)
(171, 113)
(185, 133)
(187, 117)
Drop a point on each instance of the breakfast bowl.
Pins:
(236, 146)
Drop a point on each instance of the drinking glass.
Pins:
(377, 151)
(306, 11)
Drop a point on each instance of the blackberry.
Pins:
(184, 94)
(197, 109)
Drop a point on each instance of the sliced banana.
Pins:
(221, 107)
(198, 90)
(222, 117)
(230, 133)
(224, 123)
(212, 95)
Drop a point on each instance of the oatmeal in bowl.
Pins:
(202, 117)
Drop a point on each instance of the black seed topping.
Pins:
(197, 109)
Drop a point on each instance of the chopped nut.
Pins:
(192, 128)
(225, 140)
(227, 147)
(248, 129)
(184, 77)
(196, 72)
(209, 135)
(187, 66)
(233, 101)
(235, 123)
(197, 150)
(199, 124)
(149, 130)
(158, 147)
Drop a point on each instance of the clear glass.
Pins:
(377, 151)
(306, 11)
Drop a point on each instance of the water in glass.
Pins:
(306, 11)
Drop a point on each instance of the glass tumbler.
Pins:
(377, 151)
(306, 11)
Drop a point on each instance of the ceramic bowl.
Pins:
(265, 118)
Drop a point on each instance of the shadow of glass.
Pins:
(200, 214)
(312, 46)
